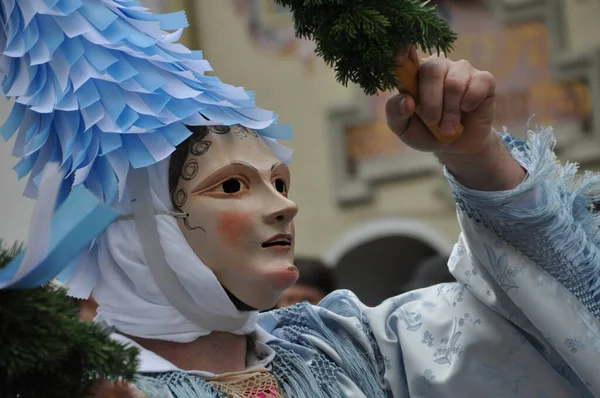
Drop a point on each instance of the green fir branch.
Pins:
(46, 351)
(359, 38)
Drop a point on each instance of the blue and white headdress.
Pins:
(100, 85)
(102, 95)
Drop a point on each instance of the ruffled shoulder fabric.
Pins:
(102, 85)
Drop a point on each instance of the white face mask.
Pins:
(240, 221)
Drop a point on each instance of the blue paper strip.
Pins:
(79, 220)
(148, 122)
(51, 3)
(38, 140)
(11, 76)
(50, 33)
(116, 32)
(98, 14)
(69, 6)
(39, 80)
(278, 132)
(138, 154)
(172, 21)
(15, 44)
(156, 102)
(121, 70)
(109, 142)
(25, 165)
(13, 122)
(87, 94)
(183, 108)
(107, 177)
(100, 57)
(176, 133)
(31, 35)
(112, 98)
(127, 119)
(73, 49)
(148, 77)
(94, 185)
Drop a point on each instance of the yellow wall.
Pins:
(582, 23)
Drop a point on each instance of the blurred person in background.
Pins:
(315, 282)
(431, 271)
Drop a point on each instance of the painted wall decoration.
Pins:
(520, 56)
(271, 28)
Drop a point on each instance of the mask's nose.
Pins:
(281, 210)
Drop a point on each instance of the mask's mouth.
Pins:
(281, 240)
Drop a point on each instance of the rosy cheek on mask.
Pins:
(232, 226)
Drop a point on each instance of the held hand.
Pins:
(451, 93)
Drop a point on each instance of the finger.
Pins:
(399, 111)
(420, 137)
(482, 87)
(431, 88)
(406, 125)
(456, 83)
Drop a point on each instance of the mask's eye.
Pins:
(233, 185)
(280, 186)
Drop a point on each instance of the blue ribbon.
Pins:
(76, 223)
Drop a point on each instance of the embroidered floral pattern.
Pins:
(467, 318)
(427, 339)
(450, 347)
(503, 273)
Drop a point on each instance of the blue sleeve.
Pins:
(549, 218)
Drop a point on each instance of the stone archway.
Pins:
(376, 259)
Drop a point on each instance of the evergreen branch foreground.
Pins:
(359, 38)
(46, 351)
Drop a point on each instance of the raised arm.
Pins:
(514, 189)
(529, 247)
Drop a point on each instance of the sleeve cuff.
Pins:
(547, 218)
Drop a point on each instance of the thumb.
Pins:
(398, 111)
(401, 119)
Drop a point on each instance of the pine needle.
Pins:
(359, 38)
(46, 351)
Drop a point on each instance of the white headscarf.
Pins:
(128, 296)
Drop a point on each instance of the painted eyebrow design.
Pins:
(241, 163)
